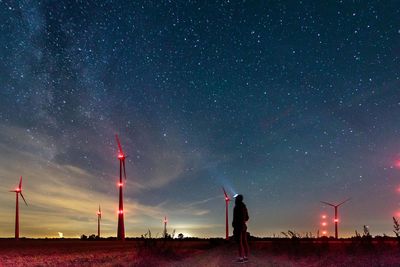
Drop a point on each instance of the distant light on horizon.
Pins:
(60, 235)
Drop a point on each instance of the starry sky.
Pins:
(286, 102)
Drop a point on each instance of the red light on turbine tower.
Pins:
(323, 216)
(323, 223)
(120, 184)
(336, 220)
(324, 233)
(397, 164)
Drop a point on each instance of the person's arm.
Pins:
(246, 214)
(234, 217)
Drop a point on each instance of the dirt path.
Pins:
(226, 256)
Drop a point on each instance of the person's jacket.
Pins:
(240, 216)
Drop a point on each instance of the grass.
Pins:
(217, 252)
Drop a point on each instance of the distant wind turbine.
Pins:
(336, 213)
(165, 226)
(17, 191)
(227, 199)
(98, 221)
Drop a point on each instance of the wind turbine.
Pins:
(98, 221)
(165, 226)
(121, 158)
(336, 220)
(17, 191)
(227, 199)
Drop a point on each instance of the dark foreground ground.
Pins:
(278, 252)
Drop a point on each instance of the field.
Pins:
(214, 252)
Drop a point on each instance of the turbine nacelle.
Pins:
(18, 190)
(227, 199)
(121, 156)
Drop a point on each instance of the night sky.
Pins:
(286, 102)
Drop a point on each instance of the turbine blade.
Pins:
(119, 145)
(123, 164)
(327, 203)
(20, 183)
(343, 202)
(226, 195)
(23, 198)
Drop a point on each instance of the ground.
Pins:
(196, 253)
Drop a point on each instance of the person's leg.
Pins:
(240, 247)
(245, 244)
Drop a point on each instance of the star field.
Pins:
(286, 102)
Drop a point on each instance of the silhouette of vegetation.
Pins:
(396, 230)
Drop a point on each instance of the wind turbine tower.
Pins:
(17, 191)
(165, 226)
(98, 221)
(336, 220)
(121, 158)
(227, 199)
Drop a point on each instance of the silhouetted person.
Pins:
(240, 218)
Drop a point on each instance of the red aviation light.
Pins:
(323, 216)
(120, 184)
(397, 164)
(98, 213)
(324, 232)
(121, 156)
(120, 212)
(324, 224)
(336, 220)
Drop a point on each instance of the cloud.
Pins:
(61, 198)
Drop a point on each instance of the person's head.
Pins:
(238, 199)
